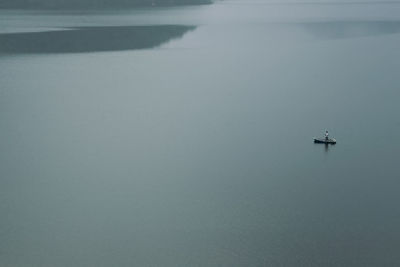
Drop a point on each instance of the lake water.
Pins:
(183, 136)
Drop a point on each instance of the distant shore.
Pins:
(91, 39)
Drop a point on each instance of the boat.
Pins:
(330, 141)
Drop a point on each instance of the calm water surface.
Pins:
(195, 148)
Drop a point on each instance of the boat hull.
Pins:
(325, 141)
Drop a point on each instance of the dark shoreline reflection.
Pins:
(91, 39)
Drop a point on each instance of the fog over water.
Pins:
(183, 136)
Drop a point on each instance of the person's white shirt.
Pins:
(326, 134)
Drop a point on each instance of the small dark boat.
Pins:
(325, 141)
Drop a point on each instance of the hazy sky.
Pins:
(92, 3)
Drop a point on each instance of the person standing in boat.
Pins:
(326, 135)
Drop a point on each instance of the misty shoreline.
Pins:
(90, 39)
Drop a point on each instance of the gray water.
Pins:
(195, 148)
